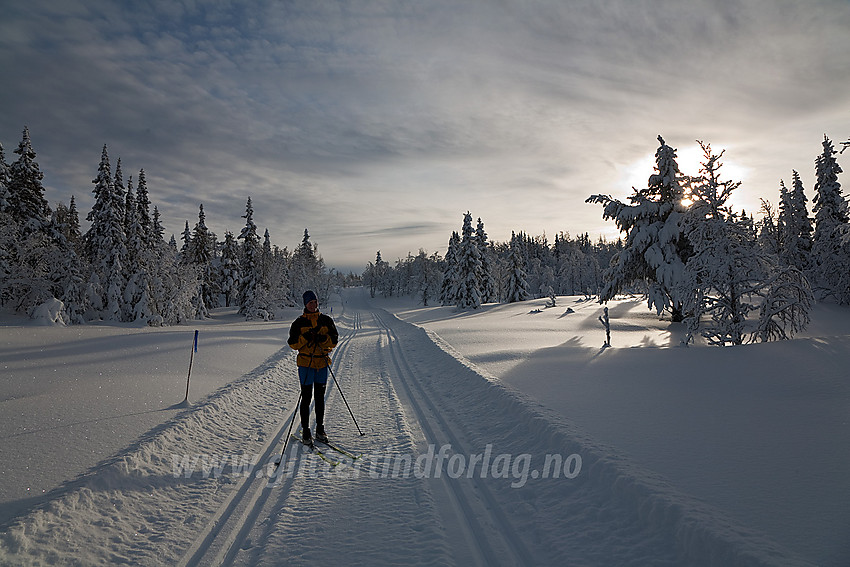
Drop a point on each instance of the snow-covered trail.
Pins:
(494, 499)
(454, 469)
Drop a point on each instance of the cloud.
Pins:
(393, 117)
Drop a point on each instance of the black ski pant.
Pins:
(310, 391)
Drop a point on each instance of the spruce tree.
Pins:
(186, 237)
(307, 267)
(469, 268)
(829, 248)
(451, 275)
(25, 193)
(142, 266)
(230, 273)
(4, 182)
(129, 205)
(516, 285)
(105, 244)
(143, 211)
(796, 226)
(656, 247)
(250, 266)
(488, 277)
(119, 194)
(729, 276)
(201, 252)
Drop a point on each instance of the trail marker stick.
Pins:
(191, 359)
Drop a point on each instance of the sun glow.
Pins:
(690, 159)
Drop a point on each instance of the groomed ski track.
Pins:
(502, 481)
(414, 400)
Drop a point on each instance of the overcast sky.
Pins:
(377, 124)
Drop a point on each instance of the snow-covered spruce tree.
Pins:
(276, 275)
(230, 274)
(264, 288)
(186, 237)
(251, 251)
(105, 244)
(70, 268)
(469, 268)
(30, 283)
(119, 193)
(795, 226)
(547, 281)
(451, 274)
(143, 212)
(407, 280)
(489, 292)
(129, 206)
(174, 285)
(382, 274)
(831, 266)
(67, 220)
(141, 259)
(156, 258)
(307, 268)
(370, 275)
(196, 270)
(576, 267)
(35, 254)
(4, 181)
(427, 276)
(25, 192)
(656, 247)
(516, 283)
(729, 276)
(202, 253)
(8, 229)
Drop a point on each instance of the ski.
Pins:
(339, 450)
(317, 451)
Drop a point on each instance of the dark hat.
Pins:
(309, 296)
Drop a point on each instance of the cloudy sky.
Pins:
(377, 124)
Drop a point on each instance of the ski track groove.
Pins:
(477, 514)
(312, 506)
(228, 530)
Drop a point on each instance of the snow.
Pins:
(664, 455)
(51, 312)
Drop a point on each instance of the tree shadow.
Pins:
(182, 405)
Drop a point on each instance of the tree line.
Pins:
(729, 277)
(475, 270)
(122, 269)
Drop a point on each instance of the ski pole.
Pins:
(191, 359)
(343, 396)
(289, 434)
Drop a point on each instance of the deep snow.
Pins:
(693, 455)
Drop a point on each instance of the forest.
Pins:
(122, 269)
(731, 278)
(726, 275)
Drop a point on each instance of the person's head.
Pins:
(311, 302)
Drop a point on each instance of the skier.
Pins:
(313, 335)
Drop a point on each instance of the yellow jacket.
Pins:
(313, 335)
